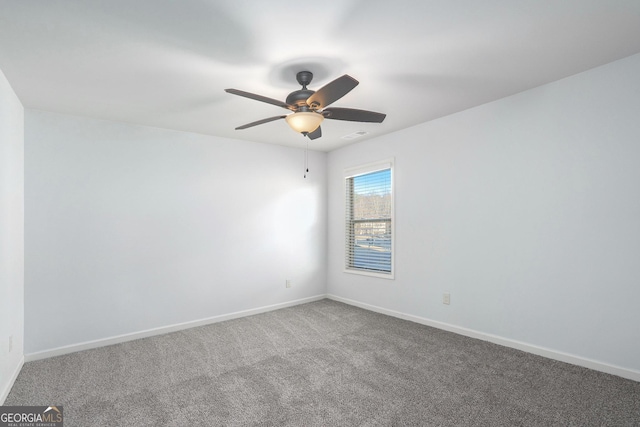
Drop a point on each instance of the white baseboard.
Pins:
(529, 348)
(12, 379)
(163, 330)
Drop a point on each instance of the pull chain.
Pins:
(306, 159)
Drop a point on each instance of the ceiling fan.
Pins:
(310, 107)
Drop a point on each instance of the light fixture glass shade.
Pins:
(304, 121)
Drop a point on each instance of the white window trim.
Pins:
(361, 170)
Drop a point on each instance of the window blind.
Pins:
(369, 211)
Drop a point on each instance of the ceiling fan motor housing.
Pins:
(299, 97)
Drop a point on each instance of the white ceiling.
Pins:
(166, 63)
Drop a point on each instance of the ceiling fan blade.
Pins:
(332, 91)
(259, 98)
(353, 115)
(260, 122)
(315, 134)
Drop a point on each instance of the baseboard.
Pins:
(12, 379)
(163, 330)
(529, 348)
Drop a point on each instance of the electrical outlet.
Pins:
(446, 298)
(287, 283)
(10, 343)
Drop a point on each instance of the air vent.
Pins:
(354, 135)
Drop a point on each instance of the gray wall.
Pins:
(526, 210)
(130, 228)
(11, 235)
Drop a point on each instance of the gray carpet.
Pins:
(322, 364)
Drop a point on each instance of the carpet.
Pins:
(323, 363)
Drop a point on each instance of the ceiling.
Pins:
(166, 63)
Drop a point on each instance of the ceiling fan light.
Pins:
(304, 121)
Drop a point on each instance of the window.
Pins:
(369, 220)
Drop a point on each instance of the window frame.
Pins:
(353, 172)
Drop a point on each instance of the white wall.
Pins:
(130, 228)
(11, 235)
(527, 210)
